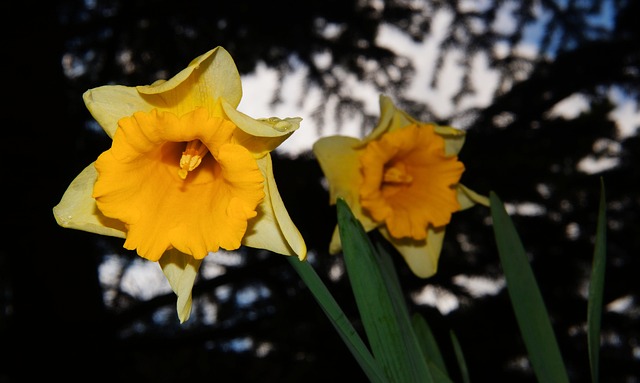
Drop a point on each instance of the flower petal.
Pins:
(209, 78)
(270, 127)
(340, 164)
(78, 210)
(272, 229)
(421, 255)
(110, 103)
(181, 271)
(391, 118)
(263, 135)
(453, 139)
(468, 198)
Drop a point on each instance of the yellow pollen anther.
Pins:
(191, 157)
(397, 174)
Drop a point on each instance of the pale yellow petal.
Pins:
(78, 210)
(181, 271)
(206, 81)
(109, 103)
(392, 118)
(341, 166)
(266, 127)
(335, 246)
(260, 136)
(421, 255)
(468, 198)
(273, 229)
(165, 86)
(453, 139)
(387, 111)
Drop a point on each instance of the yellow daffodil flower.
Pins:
(402, 179)
(187, 173)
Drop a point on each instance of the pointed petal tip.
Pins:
(424, 273)
(61, 220)
(468, 198)
(184, 316)
(296, 244)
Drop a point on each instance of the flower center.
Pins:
(137, 183)
(192, 157)
(396, 173)
(407, 181)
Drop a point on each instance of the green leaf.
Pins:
(345, 329)
(431, 352)
(390, 277)
(527, 302)
(428, 342)
(385, 319)
(418, 323)
(596, 287)
(464, 372)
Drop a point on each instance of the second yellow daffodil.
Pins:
(402, 179)
(187, 173)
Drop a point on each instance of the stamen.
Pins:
(397, 174)
(191, 157)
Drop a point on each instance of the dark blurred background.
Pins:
(68, 308)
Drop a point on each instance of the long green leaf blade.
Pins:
(339, 320)
(390, 335)
(596, 287)
(464, 371)
(528, 305)
(428, 342)
(421, 331)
